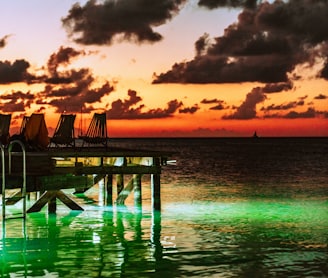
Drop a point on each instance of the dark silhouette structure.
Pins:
(4, 128)
(64, 133)
(97, 131)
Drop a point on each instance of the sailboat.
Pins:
(255, 135)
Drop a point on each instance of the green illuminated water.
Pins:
(211, 225)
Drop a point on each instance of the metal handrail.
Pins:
(3, 181)
(24, 170)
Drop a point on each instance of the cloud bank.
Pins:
(264, 45)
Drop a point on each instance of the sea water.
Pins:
(231, 207)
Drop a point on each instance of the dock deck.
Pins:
(49, 172)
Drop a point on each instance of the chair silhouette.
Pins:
(64, 132)
(4, 128)
(23, 125)
(35, 132)
(97, 130)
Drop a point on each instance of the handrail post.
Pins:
(3, 181)
(24, 170)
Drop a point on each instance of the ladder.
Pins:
(22, 193)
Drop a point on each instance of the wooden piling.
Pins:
(119, 183)
(52, 205)
(109, 189)
(137, 190)
(156, 187)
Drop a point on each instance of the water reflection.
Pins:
(257, 237)
(254, 238)
(98, 243)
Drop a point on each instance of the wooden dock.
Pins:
(49, 172)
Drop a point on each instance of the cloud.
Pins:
(210, 101)
(247, 110)
(277, 87)
(15, 72)
(15, 101)
(190, 110)
(324, 72)
(321, 96)
(62, 57)
(220, 104)
(264, 45)
(201, 44)
(3, 41)
(101, 22)
(287, 106)
(212, 4)
(74, 97)
(131, 109)
(310, 113)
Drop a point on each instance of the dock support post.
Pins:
(137, 190)
(120, 183)
(52, 205)
(109, 189)
(156, 187)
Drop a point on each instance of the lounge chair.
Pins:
(64, 132)
(23, 125)
(4, 128)
(97, 131)
(35, 132)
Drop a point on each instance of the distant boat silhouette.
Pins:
(255, 135)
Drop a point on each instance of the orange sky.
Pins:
(199, 69)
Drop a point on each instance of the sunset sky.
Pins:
(169, 67)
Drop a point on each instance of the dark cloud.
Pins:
(15, 72)
(3, 41)
(16, 101)
(247, 110)
(210, 101)
(324, 72)
(321, 96)
(212, 4)
(71, 76)
(265, 45)
(287, 106)
(71, 89)
(99, 22)
(277, 87)
(190, 110)
(220, 103)
(62, 57)
(71, 98)
(201, 44)
(219, 106)
(131, 109)
(310, 113)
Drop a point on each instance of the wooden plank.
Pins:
(44, 199)
(14, 198)
(67, 201)
(50, 198)
(125, 193)
(103, 152)
(65, 181)
(89, 170)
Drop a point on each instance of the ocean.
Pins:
(231, 207)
